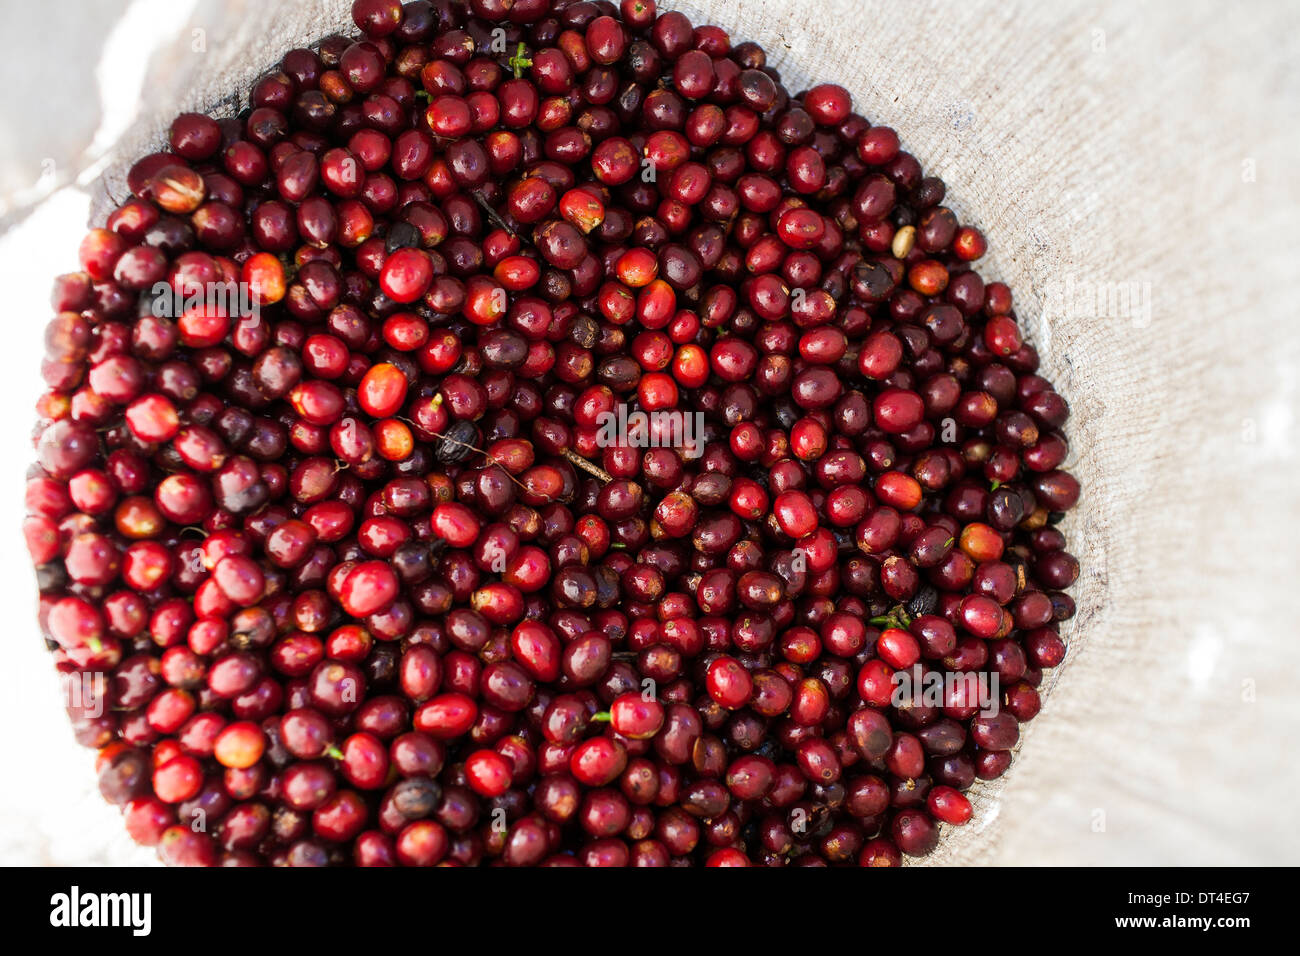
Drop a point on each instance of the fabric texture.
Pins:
(1134, 168)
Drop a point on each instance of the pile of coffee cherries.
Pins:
(344, 563)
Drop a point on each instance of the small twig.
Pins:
(495, 217)
(595, 470)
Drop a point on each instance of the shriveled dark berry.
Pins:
(925, 601)
(51, 577)
(417, 797)
(456, 444)
(584, 331)
(401, 235)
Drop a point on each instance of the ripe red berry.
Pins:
(898, 648)
(153, 418)
(178, 779)
(729, 683)
(635, 717)
(795, 513)
(898, 410)
(382, 391)
(406, 275)
(239, 745)
(488, 773)
(948, 805)
(596, 762)
(456, 524)
(368, 587)
(446, 716)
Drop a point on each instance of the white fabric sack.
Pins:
(1134, 168)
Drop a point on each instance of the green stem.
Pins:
(520, 61)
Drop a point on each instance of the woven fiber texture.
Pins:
(1134, 167)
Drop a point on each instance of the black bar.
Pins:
(1221, 906)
